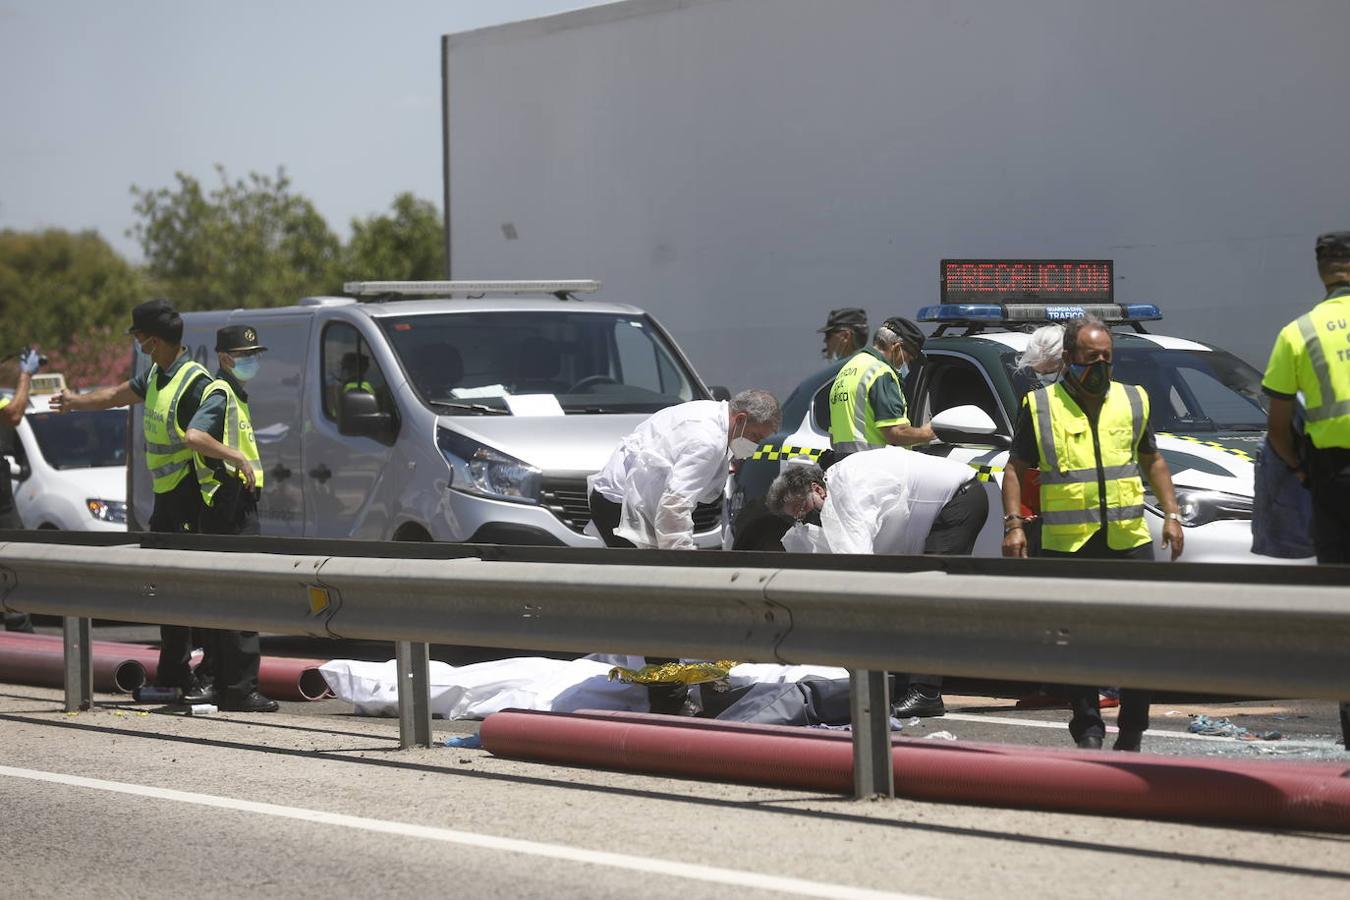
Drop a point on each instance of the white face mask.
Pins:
(1047, 378)
(245, 367)
(741, 446)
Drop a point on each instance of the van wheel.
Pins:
(412, 532)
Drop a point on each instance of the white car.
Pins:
(1206, 409)
(69, 471)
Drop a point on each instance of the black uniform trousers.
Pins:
(1134, 703)
(177, 511)
(238, 654)
(662, 698)
(953, 533)
(1329, 482)
(14, 621)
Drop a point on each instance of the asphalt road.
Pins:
(316, 802)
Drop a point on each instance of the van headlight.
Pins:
(107, 510)
(1199, 507)
(486, 472)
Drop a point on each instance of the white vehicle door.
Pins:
(348, 483)
(951, 380)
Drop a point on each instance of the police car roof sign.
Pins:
(1059, 281)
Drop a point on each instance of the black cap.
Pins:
(233, 338)
(156, 318)
(1333, 245)
(847, 317)
(910, 335)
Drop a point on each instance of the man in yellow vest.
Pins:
(230, 476)
(11, 414)
(1312, 358)
(867, 403)
(1090, 438)
(172, 393)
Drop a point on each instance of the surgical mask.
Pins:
(904, 370)
(245, 367)
(1047, 378)
(147, 348)
(741, 446)
(1093, 379)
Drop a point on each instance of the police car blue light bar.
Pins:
(1028, 313)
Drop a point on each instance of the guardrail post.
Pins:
(870, 705)
(414, 694)
(79, 676)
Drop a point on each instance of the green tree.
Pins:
(66, 291)
(249, 242)
(408, 244)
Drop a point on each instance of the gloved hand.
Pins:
(29, 360)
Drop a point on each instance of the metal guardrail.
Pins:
(1258, 640)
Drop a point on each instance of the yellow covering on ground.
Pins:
(675, 673)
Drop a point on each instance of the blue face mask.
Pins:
(245, 367)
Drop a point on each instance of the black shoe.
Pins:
(918, 703)
(250, 702)
(1089, 742)
(1129, 741)
(200, 692)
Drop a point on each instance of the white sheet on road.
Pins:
(527, 682)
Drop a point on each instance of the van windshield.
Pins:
(81, 440)
(468, 363)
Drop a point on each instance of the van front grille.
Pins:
(568, 500)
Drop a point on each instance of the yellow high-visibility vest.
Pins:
(1317, 360)
(237, 435)
(166, 455)
(853, 422)
(1072, 474)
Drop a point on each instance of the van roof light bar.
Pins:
(379, 291)
(975, 317)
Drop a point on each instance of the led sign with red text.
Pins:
(1011, 280)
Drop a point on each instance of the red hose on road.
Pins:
(37, 659)
(1100, 783)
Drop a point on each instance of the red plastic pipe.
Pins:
(1234, 792)
(38, 659)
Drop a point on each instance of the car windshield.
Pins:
(1189, 391)
(469, 363)
(81, 440)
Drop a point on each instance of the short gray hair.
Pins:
(1075, 329)
(759, 407)
(885, 338)
(793, 485)
(1045, 346)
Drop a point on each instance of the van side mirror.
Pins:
(359, 414)
(967, 425)
(720, 392)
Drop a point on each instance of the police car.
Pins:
(1206, 405)
(68, 470)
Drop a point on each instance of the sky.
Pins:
(99, 96)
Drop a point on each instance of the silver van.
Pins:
(448, 411)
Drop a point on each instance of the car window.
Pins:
(1194, 391)
(951, 381)
(347, 365)
(81, 440)
(592, 362)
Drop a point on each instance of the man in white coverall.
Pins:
(888, 501)
(679, 457)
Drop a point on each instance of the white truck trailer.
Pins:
(738, 167)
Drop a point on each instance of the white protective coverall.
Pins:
(676, 459)
(881, 501)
